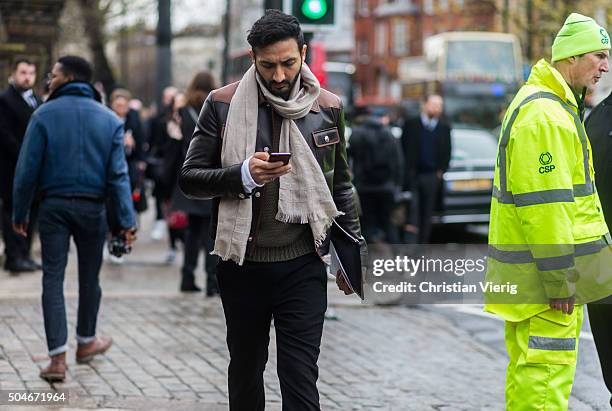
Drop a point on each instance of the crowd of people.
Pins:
(385, 167)
(155, 143)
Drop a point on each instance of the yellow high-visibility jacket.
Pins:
(547, 228)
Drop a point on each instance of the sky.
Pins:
(183, 12)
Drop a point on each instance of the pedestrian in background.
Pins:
(156, 145)
(197, 235)
(176, 219)
(426, 145)
(271, 220)
(377, 165)
(17, 103)
(546, 220)
(599, 129)
(73, 155)
(133, 142)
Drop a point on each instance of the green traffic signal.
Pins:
(313, 15)
(314, 9)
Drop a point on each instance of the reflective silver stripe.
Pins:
(552, 344)
(583, 190)
(547, 196)
(544, 197)
(503, 197)
(555, 263)
(580, 190)
(592, 247)
(550, 263)
(510, 257)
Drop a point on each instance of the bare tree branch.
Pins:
(94, 24)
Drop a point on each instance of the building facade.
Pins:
(28, 29)
(389, 31)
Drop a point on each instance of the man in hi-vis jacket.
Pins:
(547, 232)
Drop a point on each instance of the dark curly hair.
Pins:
(201, 84)
(77, 67)
(275, 26)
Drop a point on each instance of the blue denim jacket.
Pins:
(73, 145)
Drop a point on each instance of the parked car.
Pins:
(469, 180)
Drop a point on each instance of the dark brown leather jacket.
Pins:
(203, 177)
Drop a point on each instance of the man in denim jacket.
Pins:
(73, 157)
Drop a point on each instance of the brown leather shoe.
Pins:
(56, 370)
(86, 352)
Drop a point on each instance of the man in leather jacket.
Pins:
(270, 220)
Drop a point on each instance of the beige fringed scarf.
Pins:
(304, 197)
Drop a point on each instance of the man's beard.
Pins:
(281, 93)
(21, 88)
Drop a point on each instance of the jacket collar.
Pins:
(76, 88)
(19, 104)
(543, 74)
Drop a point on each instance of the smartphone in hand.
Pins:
(276, 157)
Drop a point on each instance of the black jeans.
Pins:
(377, 208)
(85, 221)
(294, 294)
(426, 193)
(196, 239)
(16, 247)
(600, 317)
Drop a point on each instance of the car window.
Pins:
(473, 144)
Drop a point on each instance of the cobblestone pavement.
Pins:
(173, 349)
(170, 352)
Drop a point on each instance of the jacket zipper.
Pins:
(263, 192)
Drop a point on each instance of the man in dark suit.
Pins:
(17, 103)
(427, 152)
(599, 129)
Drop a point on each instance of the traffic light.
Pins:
(313, 14)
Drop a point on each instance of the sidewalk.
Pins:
(170, 352)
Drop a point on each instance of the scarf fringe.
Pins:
(323, 235)
(312, 219)
(225, 257)
(308, 218)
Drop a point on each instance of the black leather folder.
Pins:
(348, 253)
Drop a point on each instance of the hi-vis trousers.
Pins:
(543, 351)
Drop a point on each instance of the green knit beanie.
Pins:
(579, 35)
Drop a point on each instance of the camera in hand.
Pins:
(117, 246)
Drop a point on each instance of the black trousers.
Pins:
(17, 247)
(600, 318)
(377, 208)
(197, 239)
(427, 186)
(293, 293)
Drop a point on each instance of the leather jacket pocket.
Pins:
(324, 147)
(323, 138)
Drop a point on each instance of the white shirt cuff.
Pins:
(247, 180)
